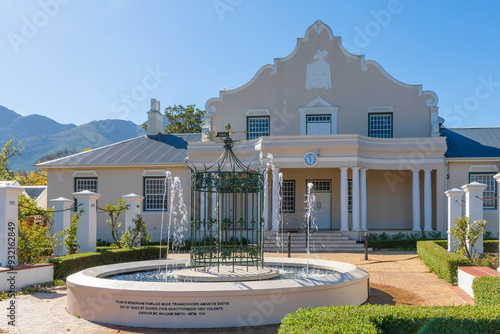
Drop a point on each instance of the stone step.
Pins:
(311, 242)
(315, 246)
(324, 250)
(312, 238)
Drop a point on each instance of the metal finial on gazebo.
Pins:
(226, 212)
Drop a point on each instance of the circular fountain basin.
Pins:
(206, 305)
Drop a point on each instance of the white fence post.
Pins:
(497, 177)
(86, 231)
(9, 200)
(474, 209)
(454, 210)
(134, 203)
(62, 220)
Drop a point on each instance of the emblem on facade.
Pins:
(318, 72)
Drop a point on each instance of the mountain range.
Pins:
(42, 136)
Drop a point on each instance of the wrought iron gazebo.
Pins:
(226, 221)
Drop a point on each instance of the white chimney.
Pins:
(155, 119)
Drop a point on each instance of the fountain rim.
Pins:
(93, 279)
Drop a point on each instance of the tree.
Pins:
(57, 155)
(32, 178)
(465, 234)
(183, 120)
(8, 151)
(114, 211)
(35, 241)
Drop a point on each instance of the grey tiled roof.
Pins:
(34, 191)
(160, 149)
(472, 142)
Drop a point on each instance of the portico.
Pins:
(362, 183)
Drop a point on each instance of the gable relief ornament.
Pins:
(318, 72)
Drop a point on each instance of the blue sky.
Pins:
(76, 61)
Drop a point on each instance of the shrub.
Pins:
(70, 234)
(399, 240)
(35, 241)
(69, 264)
(486, 290)
(491, 246)
(136, 236)
(440, 261)
(465, 234)
(393, 244)
(393, 319)
(486, 260)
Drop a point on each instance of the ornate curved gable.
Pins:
(319, 66)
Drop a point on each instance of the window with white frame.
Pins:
(491, 190)
(349, 195)
(85, 183)
(155, 195)
(321, 185)
(380, 125)
(257, 126)
(288, 196)
(319, 124)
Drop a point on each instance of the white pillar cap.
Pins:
(474, 187)
(86, 194)
(455, 192)
(133, 196)
(11, 189)
(497, 177)
(61, 200)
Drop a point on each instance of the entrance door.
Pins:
(322, 212)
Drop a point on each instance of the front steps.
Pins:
(320, 242)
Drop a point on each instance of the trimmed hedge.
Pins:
(440, 261)
(409, 244)
(490, 246)
(486, 290)
(70, 264)
(393, 319)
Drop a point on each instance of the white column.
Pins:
(427, 201)
(474, 209)
(454, 210)
(364, 226)
(497, 177)
(8, 224)
(344, 201)
(276, 200)
(86, 230)
(62, 220)
(355, 199)
(134, 208)
(416, 201)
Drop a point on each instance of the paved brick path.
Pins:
(396, 278)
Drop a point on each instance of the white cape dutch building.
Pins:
(375, 148)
